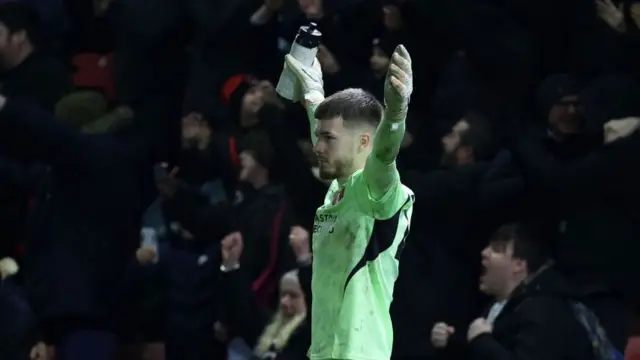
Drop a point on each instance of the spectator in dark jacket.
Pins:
(532, 316)
(28, 72)
(282, 334)
(438, 275)
(260, 215)
(188, 268)
(285, 334)
(587, 183)
(18, 326)
(80, 250)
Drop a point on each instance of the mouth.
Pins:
(483, 271)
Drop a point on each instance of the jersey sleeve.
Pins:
(396, 198)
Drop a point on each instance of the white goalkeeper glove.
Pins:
(309, 80)
(398, 85)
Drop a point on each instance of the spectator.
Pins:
(18, 332)
(300, 179)
(271, 336)
(382, 50)
(458, 206)
(532, 317)
(559, 105)
(74, 268)
(261, 217)
(347, 30)
(28, 72)
(245, 96)
(204, 177)
(188, 268)
(587, 188)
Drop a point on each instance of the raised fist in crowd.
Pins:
(232, 246)
(299, 241)
(39, 352)
(146, 255)
(440, 335)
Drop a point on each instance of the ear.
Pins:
(366, 140)
(520, 265)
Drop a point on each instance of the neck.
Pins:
(315, 15)
(248, 120)
(358, 165)
(508, 290)
(260, 181)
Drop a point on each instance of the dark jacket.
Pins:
(188, 284)
(591, 196)
(40, 78)
(303, 190)
(78, 254)
(18, 325)
(262, 216)
(190, 272)
(537, 322)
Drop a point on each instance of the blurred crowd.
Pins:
(157, 196)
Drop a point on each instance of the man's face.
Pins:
(379, 62)
(500, 269)
(9, 44)
(337, 147)
(564, 117)
(453, 153)
(195, 132)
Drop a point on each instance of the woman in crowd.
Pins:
(281, 335)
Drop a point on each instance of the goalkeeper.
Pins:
(360, 229)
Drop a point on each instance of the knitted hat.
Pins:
(234, 89)
(553, 89)
(81, 107)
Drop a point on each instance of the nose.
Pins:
(318, 148)
(485, 252)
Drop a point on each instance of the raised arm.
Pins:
(380, 171)
(310, 83)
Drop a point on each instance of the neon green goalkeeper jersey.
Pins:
(357, 242)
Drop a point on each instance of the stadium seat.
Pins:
(95, 71)
(633, 349)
